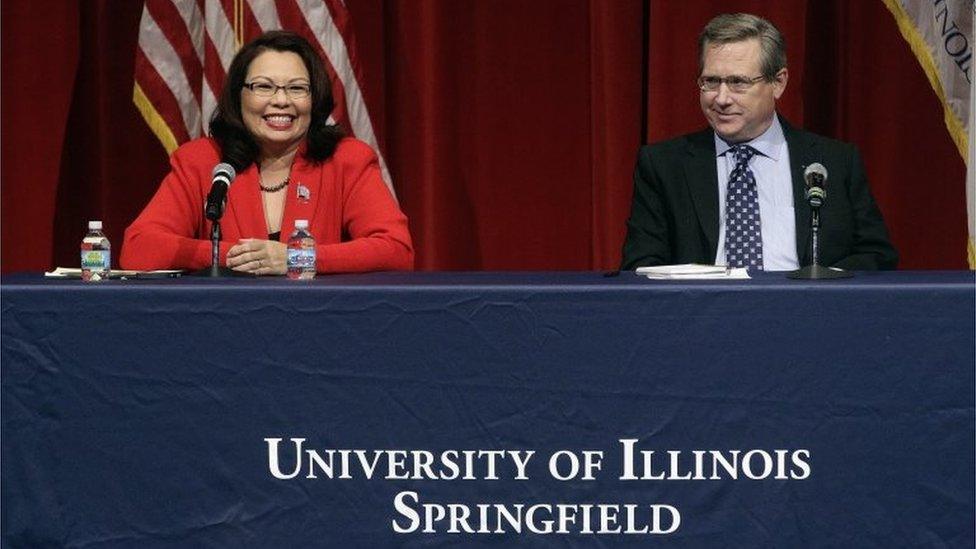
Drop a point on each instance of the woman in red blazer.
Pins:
(271, 125)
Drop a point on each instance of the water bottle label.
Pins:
(300, 258)
(96, 260)
(96, 242)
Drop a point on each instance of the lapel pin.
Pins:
(304, 194)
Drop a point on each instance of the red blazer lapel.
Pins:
(244, 207)
(304, 194)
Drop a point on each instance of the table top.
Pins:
(537, 281)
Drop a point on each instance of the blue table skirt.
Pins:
(162, 413)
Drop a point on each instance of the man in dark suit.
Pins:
(734, 193)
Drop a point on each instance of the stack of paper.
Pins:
(692, 272)
(70, 272)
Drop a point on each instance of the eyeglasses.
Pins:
(264, 88)
(736, 84)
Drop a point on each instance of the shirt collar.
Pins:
(769, 143)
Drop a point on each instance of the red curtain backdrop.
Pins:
(510, 127)
(38, 78)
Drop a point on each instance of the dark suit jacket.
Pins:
(674, 213)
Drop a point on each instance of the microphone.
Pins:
(816, 179)
(223, 174)
(815, 176)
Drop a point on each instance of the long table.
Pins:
(500, 409)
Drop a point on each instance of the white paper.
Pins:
(691, 271)
(73, 272)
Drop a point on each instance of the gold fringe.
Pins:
(924, 55)
(955, 127)
(154, 120)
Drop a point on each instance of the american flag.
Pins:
(186, 46)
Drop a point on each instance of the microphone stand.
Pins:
(215, 270)
(816, 271)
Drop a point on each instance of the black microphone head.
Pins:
(225, 172)
(815, 175)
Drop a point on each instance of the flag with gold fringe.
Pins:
(940, 33)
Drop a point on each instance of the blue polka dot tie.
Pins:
(743, 238)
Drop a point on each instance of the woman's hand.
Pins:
(261, 257)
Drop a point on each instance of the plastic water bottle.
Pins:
(96, 254)
(301, 252)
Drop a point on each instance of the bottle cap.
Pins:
(301, 223)
(95, 225)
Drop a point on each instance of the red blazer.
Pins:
(356, 222)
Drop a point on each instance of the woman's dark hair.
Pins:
(227, 126)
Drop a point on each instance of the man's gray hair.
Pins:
(737, 27)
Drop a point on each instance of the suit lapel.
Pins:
(803, 152)
(304, 193)
(245, 207)
(703, 184)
